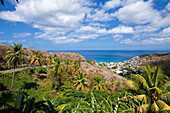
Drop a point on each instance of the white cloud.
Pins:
(121, 29)
(55, 18)
(137, 13)
(21, 35)
(154, 41)
(112, 4)
(65, 21)
(1, 32)
(117, 37)
(5, 41)
(91, 36)
(166, 30)
(100, 15)
(148, 41)
(145, 28)
(87, 29)
(168, 7)
(102, 31)
(129, 42)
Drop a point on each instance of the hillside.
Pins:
(71, 84)
(90, 69)
(157, 59)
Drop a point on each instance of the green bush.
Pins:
(29, 71)
(41, 70)
(88, 61)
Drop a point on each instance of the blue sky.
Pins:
(86, 24)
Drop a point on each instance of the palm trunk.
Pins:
(56, 84)
(12, 80)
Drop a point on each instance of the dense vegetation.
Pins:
(61, 86)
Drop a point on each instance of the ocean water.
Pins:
(111, 55)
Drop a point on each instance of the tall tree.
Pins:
(57, 68)
(36, 60)
(14, 56)
(146, 86)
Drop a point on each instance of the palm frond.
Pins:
(162, 105)
(154, 108)
(141, 81)
(166, 86)
(143, 108)
(157, 75)
(133, 85)
(166, 97)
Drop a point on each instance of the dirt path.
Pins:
(17, 69)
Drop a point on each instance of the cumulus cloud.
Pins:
(117, 37)
(55, 18)
(145, 28)
(121, 29)
(129, 42)
(137, 13)
(100, 15)
(112, 4)
(154, 41)
(166, 30)
(21, 35)
(168, 7)
(65, 21)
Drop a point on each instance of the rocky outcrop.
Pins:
(164, 63)
(158, 59)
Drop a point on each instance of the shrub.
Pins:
(29, 71)
(3, 67)
(41, 70)
(88, 61)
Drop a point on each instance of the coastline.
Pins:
(111, 55)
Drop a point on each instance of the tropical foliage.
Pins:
(36, 59)
(15, 56)
(148, 89)
(62, 87)
(98, 83)
(57, 68)
(81, 81)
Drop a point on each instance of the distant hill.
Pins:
(157, 59)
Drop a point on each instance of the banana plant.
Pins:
(53, 106)
(28, 106)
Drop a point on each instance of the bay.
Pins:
(110, 55)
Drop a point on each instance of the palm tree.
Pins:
(14, 56)
(98, 84)
(57, 68)
(81, 81)
(146, 87)
(49, 59)
(36, 60)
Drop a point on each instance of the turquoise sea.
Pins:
(111, 55)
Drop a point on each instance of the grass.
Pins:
(25, 80)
